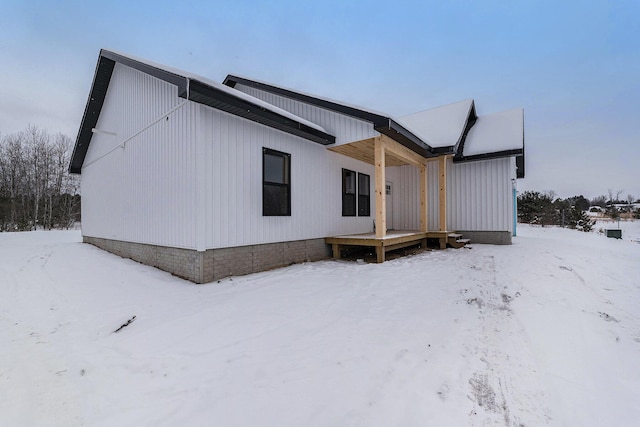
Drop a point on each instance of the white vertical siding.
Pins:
(233, 178)
(191, 176)
(479, 195)
(344, 128)
(145, 191)
(406, 196)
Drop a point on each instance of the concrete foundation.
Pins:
(487, 237)
(215, 264)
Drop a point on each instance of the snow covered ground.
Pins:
(543, 332)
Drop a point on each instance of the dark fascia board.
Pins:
(472, 117)
(383, 124)
(221, 100)
(485, 156)
(520, 166)
(101, 79)
(191, 89)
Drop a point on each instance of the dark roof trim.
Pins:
(383, 124)
(472, 117)
(101, 78)
(188, 88)
(485, 156)
(397, 132)
(520, 166)
(221, 100)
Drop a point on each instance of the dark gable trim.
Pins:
(101, 79)
(190, 89)
(221, 100)
(385, 125)
(472, 117)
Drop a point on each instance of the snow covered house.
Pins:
(207, 180)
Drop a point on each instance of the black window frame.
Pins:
(267, 209)
(349, 200)
(364, 200)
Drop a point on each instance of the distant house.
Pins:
(207, 180)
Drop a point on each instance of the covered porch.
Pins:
(382, 152)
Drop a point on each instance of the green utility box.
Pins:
(615, 234)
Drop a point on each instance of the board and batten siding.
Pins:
(143, 192)
(479, 195)
(233, 185)
(345, 128)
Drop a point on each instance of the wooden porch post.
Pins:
(381, 190)
(442, 181)
(424, 224)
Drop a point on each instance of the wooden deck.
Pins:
(392, 241)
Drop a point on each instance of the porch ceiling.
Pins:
(363, 150)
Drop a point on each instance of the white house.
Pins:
(207, 180)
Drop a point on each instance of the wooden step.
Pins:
(455, 241)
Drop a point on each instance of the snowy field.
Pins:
(543, 332)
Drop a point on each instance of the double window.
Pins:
(276, 183)
(356, 196)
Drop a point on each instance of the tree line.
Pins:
(36, 189)
(545, 209)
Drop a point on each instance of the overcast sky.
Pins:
(574, 66)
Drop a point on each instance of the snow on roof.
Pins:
(224, 88)
(441, 126)
(296, 91)
(495, 133)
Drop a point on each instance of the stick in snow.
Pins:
(125, 324)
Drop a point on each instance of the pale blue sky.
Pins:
(574, 66)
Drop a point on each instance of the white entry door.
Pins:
(389, 204)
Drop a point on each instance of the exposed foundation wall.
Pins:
(487, 237)
(215, 264)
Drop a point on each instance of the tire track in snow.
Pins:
(496, 389)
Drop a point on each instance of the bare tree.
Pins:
(36, 189)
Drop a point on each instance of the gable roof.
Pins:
(190, 87)
(382, 123)
(442, 126)
(495, 133)
(433, 132)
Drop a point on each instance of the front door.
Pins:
(389, 204)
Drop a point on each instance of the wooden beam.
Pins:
(442, 196)
(424, 214)
(380, 187)
(402, 152)
(363, 150)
